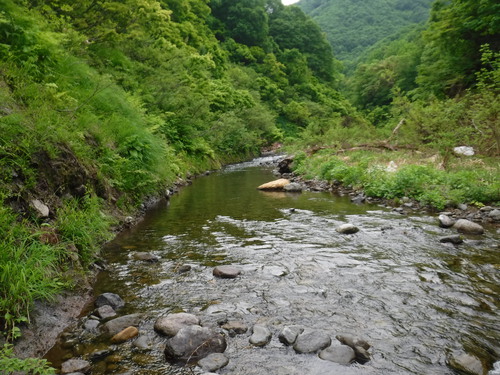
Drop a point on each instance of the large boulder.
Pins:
(468, 227)
(172, 323)
(275, 185)
(193, 343)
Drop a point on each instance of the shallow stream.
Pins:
(414, 299)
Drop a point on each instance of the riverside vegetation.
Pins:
(107, 103)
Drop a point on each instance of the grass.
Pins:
(393, 175)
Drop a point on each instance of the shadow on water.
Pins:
(413, 298)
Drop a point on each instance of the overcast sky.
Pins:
(288, 2)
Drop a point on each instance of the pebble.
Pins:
(125, 335)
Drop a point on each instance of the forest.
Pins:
(107, 103)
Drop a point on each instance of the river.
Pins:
(414, 299)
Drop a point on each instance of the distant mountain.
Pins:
(352, 26)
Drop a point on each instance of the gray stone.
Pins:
(260, 336)
(293, 187)
(462, 207)
(172, 323)
(226, 272)
(466, 363)
(463, 151)
(289, 334)
(213, 362)
(235, 327)
(312, 342)
(192, 343)
(98, 355)
(341, 354)
(117, 325)
(468, 227)
(347, 229)
(358, 199)
(143, 342)
(75, 365)
(445, 221)
(91, 325)
(105, 312)
(455, 240)
(494, 214)
(146, 257)
(41, 209)
(111, 299)
(359, 346)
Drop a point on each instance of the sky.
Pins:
(288, 2)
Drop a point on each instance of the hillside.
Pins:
(352, 26)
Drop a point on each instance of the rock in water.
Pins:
(289, 334)
(111, 299)
(275, 185)
(455, 240)
(172, 323)
(75, 365)
(213, 362)
(445, 221)
(293, 187)
(312, 342)
(341, 354)
(466, 364)
(468, 227)
(260, 336)
(347, 229)
(116, 325)
(192, 343)
(226, 272)
(126, 334)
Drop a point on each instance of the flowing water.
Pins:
(393, 283)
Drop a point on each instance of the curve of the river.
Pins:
(416, 300)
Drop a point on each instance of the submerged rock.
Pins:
(192, 343)
(312, 342)
(213, 362)
(171, 324)
(468, 227)
(146, 257)
(260, 336)
(466, 364)
(125, 335)
(75, 365)
(341, 354)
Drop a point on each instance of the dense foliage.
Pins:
(352, 26)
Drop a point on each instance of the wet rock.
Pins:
(359, 346)
(358, 199)
(494, 215)
(125, 335)
(468, 227)
(455, 240)
(235, 327)
(260, 336)
(293, 187)
(347, 229)
(143, 342)
(42, 211)
(312, 342)
(289, 334)
(274, 185)
(226, 272)
(213, 362)
(445, 221)
(341, 354)
(146, 257)
(192, 343)
(100, 354)
(171, 324)
(284, 166)
(119, 324)
(105, 312)
(184, 268)
(91, 325)
(111, 299)
(466, 364)
(75, 365)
